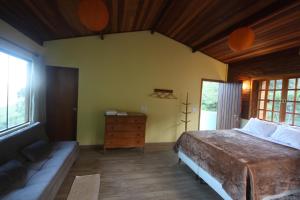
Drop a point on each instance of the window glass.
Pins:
(270, 105)
(277, 106)
(271, 84)
(3, 90)
(14, 91)
(298, 95)
(261, 105)
(278, 95)
(298, 83)
(289, 118)
(290, 107)
(298, 107)
(278, 84)
(275, 117)
(269, 116)
(270, 94)
(297, 120)
(261, 114)
(291, 95)
(292, 83)
(263, 85)
(262, 95)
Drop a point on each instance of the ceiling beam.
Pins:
(265, 12)
(161, 15)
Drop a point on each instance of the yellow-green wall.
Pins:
(121, 71)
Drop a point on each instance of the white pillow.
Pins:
(287, 135)
(290, 126)
(260, 128)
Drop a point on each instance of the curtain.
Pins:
(38, 90)
(229, 105)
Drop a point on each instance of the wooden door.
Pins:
(61, 103)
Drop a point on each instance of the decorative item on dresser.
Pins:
(125, 131)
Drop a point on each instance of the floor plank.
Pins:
(132, 175)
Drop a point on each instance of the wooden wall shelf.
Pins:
(163, 94)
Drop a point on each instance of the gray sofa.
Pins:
(45, 176)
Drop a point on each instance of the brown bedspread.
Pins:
(231, 157)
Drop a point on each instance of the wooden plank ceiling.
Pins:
(203, 25)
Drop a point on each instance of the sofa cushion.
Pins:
(30, 192)
(5, 184)
(37, 165)
(37, 150)
(43, 175)
(61, 150)
(51, 165)
(11, 144)
(14, 173)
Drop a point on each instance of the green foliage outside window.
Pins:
(209, 96)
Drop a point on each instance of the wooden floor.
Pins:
(133, 175)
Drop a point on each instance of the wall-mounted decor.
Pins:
(186, 112)
(93, 14)
(163, 94)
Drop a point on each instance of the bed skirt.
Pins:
(210, 180)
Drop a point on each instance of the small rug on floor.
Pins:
(85, 188)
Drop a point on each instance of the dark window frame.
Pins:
(284, 101)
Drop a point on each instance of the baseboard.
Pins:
(160, 143)
(94, 146)
(100, 146)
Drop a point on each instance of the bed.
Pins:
(240, 164)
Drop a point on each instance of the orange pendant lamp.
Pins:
(93, 14)
(241, 39)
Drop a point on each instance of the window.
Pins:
(270, 92)
(14, 91)
(292, 115)
(279, 100)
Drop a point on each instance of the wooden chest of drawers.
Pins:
(125, 131)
